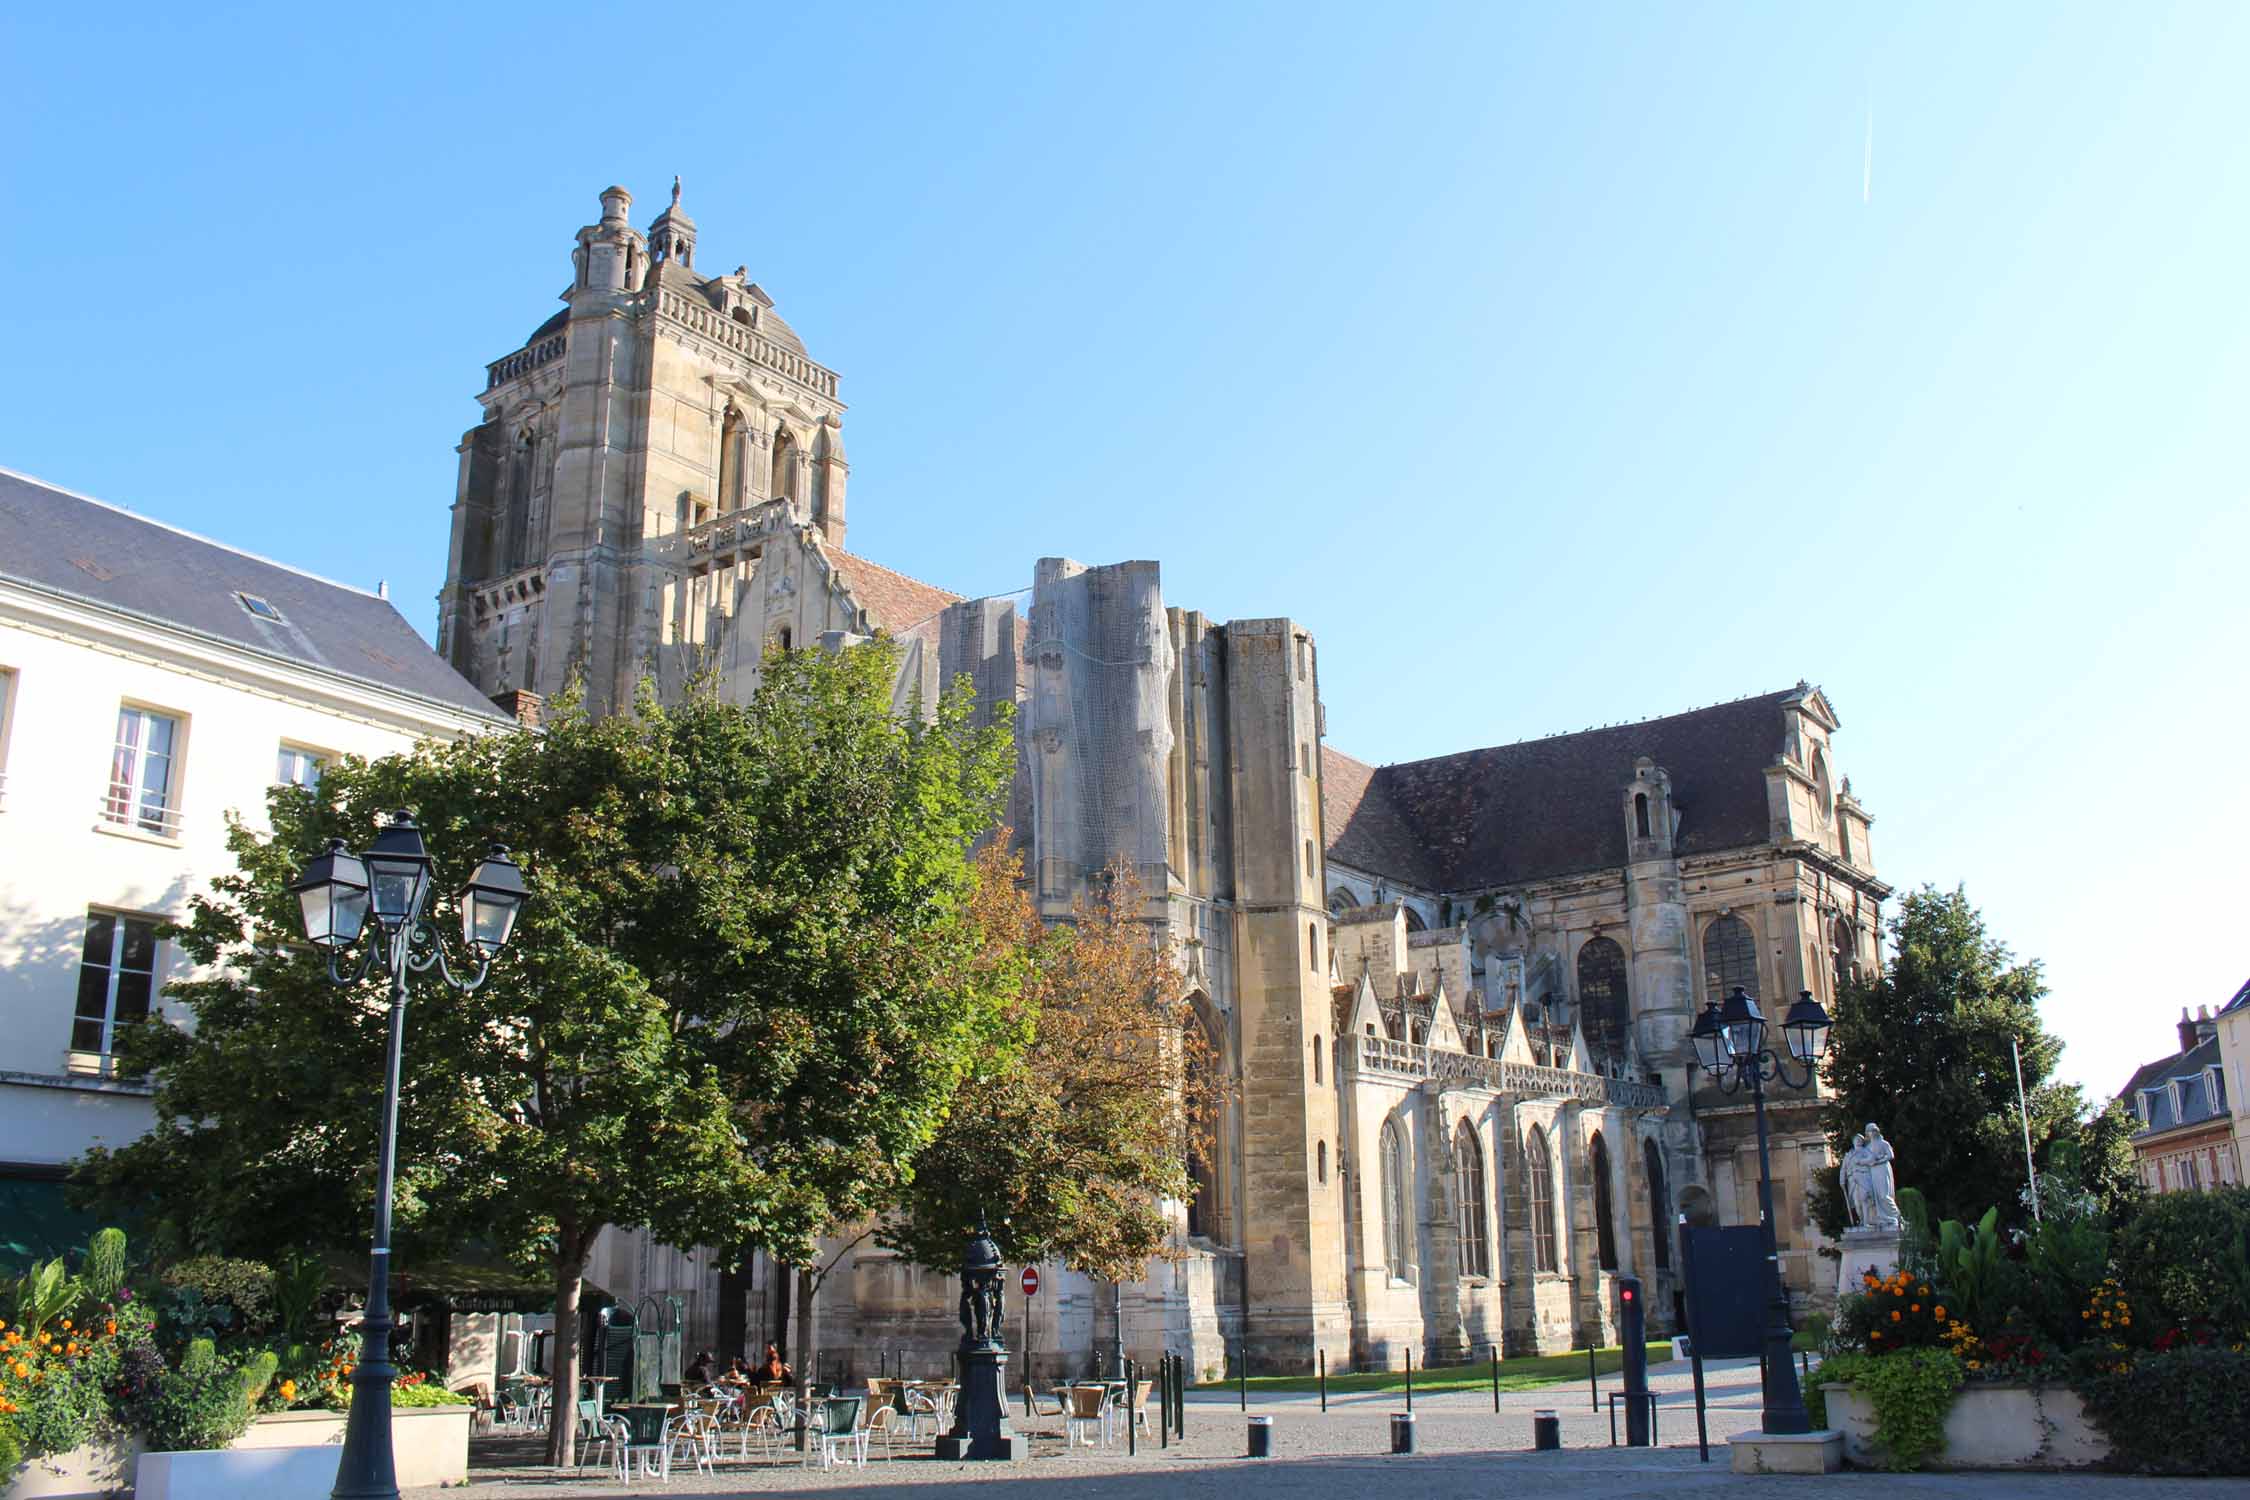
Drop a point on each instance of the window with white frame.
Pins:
(116, 978)
(297, 766)
(144, 771)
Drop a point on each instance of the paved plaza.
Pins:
(1466, 1451)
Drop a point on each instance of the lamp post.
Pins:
(338, 891)
(1730, 1043)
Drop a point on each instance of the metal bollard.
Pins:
(1410, 1379)
(1132, 1407)
(1324, 1380)
(1402, 1432)
(1546, 1432)
(1261, 1437)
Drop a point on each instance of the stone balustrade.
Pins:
(1383, 1055)
(756, 347)
(530, 357)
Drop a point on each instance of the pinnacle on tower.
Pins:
(672, 236)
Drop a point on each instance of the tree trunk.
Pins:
(805, 1350)
(782, 1279)
(571, 1249)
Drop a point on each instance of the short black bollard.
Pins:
(1261, 1437)
(1164, 1400)
(1410, 1380)
(1179, 1397)
(1324, 1380)
(1402, 1432)
(1242, 1376)
(1496, 1379)
(1593, 1381)
(1546, 1432)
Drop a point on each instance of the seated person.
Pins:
(736, 1373)
(771, 1371)
(700, 1372)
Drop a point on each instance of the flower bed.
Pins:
(429, 1446)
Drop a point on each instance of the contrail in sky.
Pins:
(1867, 172)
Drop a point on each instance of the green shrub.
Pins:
(2185, 1261)
(213, 1295)
(1911, 1392)
(2178, 1413)
(199, 1405)
(58, 1412)
(11, 1449)
(105, 1265)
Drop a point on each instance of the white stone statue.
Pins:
(1882, 1186)
(1853, 1173)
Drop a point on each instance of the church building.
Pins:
(1451, 998)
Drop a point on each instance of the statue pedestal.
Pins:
(1865, 1249)
(980, 1420)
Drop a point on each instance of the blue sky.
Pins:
(1556, 366)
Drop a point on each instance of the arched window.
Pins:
(1603, 1004)
(1640, 814)
(1310, 867)
(1340, 901)
(1844, 839)
(1316, 1057)
(1823, 796)
(1393, 1167)
(1659, 1203)
(784, 465)
(1312, 942)
(1320, 1161)
(1730, 957)
(731, 438)
(1540, 1173)
(1847, 953)
(1202, 1060)
(1414, 922)
(1468, 1193)
(1605, 1234)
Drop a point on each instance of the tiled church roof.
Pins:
(1364, 830)
(898, 603)
(1553, 807)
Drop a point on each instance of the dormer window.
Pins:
(2216, 1086)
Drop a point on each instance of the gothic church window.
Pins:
(1605, 1232)
(1659, 1203)
(1540, 1173)
(1393, 1164)
(1202, 1058)
(1316, 1058)
(1730, 957)
(1640, 814)
(1468, 1192)
(1847, 954)
(1414, 922)
(1602, 998)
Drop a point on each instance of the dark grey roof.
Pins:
(1551, 807)
(2241, 1000)
(67, 544)
(2194, 1107)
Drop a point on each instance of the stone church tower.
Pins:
(659, 408)
(1449, 998)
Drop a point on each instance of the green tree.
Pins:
(738, 1002)
(1923, 1051)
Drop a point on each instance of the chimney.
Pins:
(528, 708)
(2188, 1030)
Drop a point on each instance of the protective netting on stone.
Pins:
(1101, 658)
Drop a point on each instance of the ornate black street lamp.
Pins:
(338, 891)
(1730, 1043)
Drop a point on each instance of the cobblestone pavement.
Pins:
(1466, 1451)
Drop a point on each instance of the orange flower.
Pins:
(1894, 1315)
(1914, 1307)
(1941, 1310)
(110, 1326)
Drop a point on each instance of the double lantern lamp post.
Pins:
(1730, 1043)
(339, 891)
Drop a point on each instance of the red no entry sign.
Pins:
(1031, 1281)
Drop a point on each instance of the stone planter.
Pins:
(81, 1474)
(1989, 1427)
(295, 1452)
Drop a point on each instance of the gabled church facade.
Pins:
(1450, 998)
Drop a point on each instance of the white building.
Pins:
(151, 683)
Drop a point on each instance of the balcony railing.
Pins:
(1384, 1055)
(119, 810)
